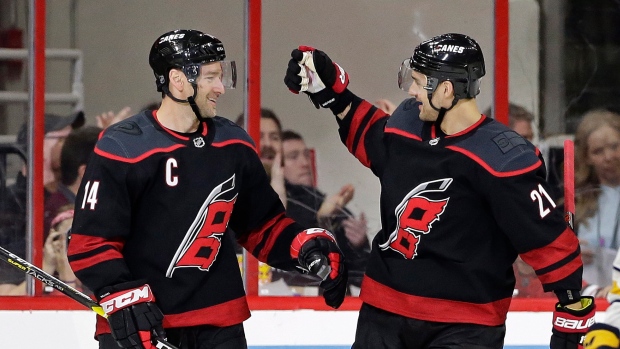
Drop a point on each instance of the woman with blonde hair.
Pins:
(597, 189)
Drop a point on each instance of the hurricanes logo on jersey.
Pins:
(414, 215)
(203, 239)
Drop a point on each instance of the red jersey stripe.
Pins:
(139, 158)
(400, 132)
(221, 315)
(558, 249)
(235, 141)
(433, 309)
(82, 244)
(491, 170)
(277, 229)
(256, 236)
(561, 273)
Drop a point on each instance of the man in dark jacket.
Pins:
(309, 206)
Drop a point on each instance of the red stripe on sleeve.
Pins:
(358, 117)
(361, 146)
(277, 229)
(83, 243)
(256, 235)
(561, 273)
(106, 255)
(356, 122)
(559, 249)
(277, 224)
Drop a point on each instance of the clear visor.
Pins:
(229, 74)
(404, 75)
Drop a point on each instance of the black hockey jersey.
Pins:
(456, 210)
(161, 206)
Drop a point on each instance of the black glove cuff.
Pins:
(342, 102)
(566, 297)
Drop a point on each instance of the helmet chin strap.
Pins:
(191, 100)
(442, 111)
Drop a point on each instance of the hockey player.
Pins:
(150, 236)
(462, 195)
(606, 334)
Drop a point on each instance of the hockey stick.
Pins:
(67, 290)
(569, 183)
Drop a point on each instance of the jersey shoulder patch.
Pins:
(228, 132)
(133, 139)
(500, 150)
(406, 119)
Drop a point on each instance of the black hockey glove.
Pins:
(325, 82)
(602, 336)
(570, 326)
(318, 253)
(132, 314)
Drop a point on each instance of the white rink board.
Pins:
(265, 329)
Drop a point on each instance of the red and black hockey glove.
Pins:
(325, 82)
(570, 326)
(318, 253)
(602, 336)
(132, 314)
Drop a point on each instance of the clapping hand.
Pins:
(355, 229)
(337, 201)
(105, 120)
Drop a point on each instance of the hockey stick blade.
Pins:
(49, 280)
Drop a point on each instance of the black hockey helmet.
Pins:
(453, 57)
(187, 50)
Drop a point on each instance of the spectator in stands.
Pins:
(55, 250)
(13, 224)
(76, 150)
(271, 149)
(519, 120)
(308, 205)
(108, 118)
(55, 261)
(56, 129)
(597, 193)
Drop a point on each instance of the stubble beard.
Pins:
(426, 115)
(206, 110)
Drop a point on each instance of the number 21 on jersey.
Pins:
(544, 200)
(90, 195)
